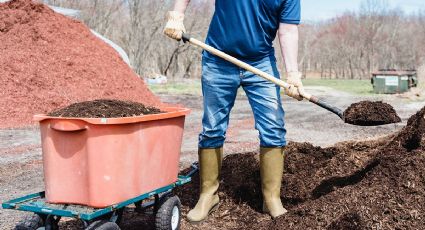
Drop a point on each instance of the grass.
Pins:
(193, 87)
(362, 87)
(183, 87)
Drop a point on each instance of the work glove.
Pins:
(174, 27)
(294, 79)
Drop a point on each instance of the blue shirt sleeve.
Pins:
(291, 12)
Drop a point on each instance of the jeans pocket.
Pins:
(275, 70)
(269, 66)
(207, 73)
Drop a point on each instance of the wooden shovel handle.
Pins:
(243, 65)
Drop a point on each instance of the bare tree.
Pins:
(348, 46)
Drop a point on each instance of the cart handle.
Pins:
(195, 169)
(68, 126)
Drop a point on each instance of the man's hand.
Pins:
(294, 78)
(174, 27)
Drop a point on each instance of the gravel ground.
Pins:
(21, 165)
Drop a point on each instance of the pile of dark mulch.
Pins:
(411, 137)
(104, 108)
(350, 221)
(368, 113)
(353, 185)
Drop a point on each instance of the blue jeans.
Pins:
(220, 83)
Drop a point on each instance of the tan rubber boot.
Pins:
(271, 170)
(210, 166)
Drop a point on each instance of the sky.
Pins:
(314, 10)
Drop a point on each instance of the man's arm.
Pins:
(181, 6)
(288, 38)
(175, 20)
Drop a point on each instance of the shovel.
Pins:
(284, 85)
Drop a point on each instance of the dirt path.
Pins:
(305, 122)
(21, 166)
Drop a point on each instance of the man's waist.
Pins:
(247, 59)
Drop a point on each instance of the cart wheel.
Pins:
(169, 214)
(30, 223)
(103, 225)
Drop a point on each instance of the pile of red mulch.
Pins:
(355, 185)
(370, 113)
(49, 60)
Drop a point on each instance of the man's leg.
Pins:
(220, 82)
(264, 98)
(265, 101)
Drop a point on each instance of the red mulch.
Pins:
(49, 60)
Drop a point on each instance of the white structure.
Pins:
(76, 14)
(421, 73)
(68, 12)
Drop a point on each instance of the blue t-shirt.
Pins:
(246, 29)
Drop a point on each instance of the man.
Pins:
(244, 29)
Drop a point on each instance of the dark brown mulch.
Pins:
(411, 137)
(353, 185)
(368, 113)
(350, 221)
(104, 108)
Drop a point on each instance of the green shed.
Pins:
(392, 81)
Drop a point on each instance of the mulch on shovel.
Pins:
(104, 108)
(368, 113)
(352, 185)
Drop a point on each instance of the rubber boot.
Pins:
(210, 166)
(271, 170)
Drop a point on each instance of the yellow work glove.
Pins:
(174, 27)
(294, 78)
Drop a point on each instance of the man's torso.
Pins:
(246, 28)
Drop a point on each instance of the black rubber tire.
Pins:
(30, 223)
(165, 212)
(103, 225)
